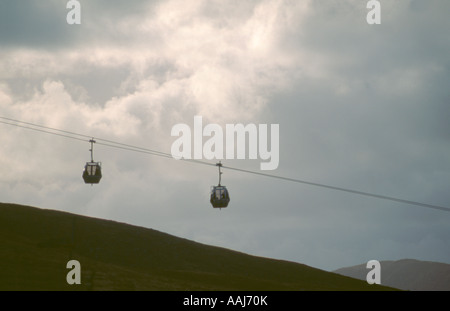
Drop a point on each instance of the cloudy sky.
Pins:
(359, 106)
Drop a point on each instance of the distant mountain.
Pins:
(36, 245)
(407, 274)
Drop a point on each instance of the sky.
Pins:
(359, 106)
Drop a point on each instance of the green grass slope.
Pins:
(36, 245)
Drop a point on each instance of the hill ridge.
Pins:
(407, 274)
(37, 244)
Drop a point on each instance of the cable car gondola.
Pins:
(92, 170)
(219, 194)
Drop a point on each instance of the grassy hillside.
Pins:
(36, 245)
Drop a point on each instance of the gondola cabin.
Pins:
(219, 197)
(92, 173)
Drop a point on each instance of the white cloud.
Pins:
(227, 66)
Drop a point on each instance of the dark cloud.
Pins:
(43, 25)
(36, 24)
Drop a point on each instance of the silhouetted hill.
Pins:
(407, 274)
(36, 245)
